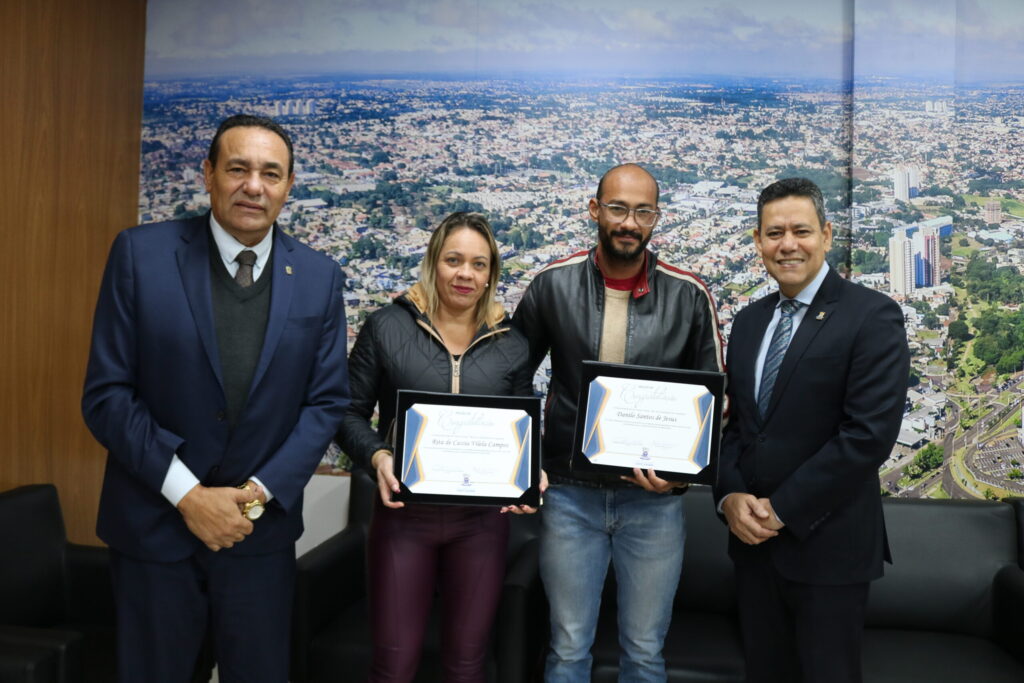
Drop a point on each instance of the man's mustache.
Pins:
(626, 232)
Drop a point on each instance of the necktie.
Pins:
(776, 352)
(245, 259)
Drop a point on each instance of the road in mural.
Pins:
(922, 168)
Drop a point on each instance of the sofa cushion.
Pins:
(898, 656)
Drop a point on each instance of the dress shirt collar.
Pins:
(230, 248)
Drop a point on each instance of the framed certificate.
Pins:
(663, 419)
(467, 450)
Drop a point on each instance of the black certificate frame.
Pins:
(712, 381)
(531, 405)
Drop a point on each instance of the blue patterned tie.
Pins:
(776, 352)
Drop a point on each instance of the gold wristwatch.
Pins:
(252, 510)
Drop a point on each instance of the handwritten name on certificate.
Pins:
(467, 451)
(648, 424)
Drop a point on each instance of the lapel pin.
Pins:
(821, 315)
(288, 271)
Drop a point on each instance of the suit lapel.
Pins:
(762, 317)
(281, 289)
(817, 315)
(194, 267)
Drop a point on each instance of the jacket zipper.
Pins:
(456, 363)
(456, 368)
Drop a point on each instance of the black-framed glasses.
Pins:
(645, 218)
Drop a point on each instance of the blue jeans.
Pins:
(642, 534)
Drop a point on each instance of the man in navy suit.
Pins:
(817, 378)
(217, 362)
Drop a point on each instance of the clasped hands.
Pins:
(752, 519)
(213, 513)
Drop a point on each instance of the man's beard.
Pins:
(613, 252)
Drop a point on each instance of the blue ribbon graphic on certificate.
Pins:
(665, 426)
(466, 451)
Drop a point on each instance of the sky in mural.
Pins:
(975, 39)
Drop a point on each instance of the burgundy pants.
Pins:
(460, 551)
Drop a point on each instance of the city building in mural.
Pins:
(921, 160)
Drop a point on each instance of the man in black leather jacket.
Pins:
(618, 303)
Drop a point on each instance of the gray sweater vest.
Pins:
(240, 318)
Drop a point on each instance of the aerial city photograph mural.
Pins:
(908, 114)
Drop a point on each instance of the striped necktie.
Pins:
(776, 352)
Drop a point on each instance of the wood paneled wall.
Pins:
(71, 75)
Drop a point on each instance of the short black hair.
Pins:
(252, 121)
(792, 187)
(600, 183)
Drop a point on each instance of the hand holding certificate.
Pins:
(649, 418)
(470, 450)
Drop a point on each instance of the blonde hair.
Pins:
(428, 269)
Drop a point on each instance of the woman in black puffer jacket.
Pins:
(445, 334)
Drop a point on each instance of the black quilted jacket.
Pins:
(398, 348)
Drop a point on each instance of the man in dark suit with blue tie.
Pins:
(817, 377)
(217, 362)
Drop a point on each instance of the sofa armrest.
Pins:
(1017, 503)
(329, 578)
(519, 639)
(22, 663)
(65, 647)
(90, 593)
(1008, 606)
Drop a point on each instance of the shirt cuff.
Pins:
(178, 482)
(266, 491)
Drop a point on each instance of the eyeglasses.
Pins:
(645, 218)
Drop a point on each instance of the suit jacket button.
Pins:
(760, 438)
(220, 416)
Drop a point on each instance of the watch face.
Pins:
(253, 510)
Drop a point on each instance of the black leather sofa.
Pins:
(950, 608)
(331, 636)
(56, 603)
